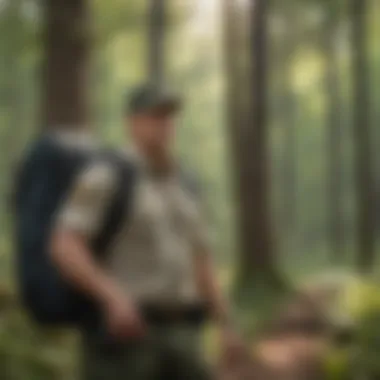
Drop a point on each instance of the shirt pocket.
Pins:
(184, 212)
(149, 210)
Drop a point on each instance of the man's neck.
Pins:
(157, 162)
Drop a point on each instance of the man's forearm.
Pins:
(75, 262)
(211, 289)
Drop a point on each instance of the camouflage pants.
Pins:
(170, 353)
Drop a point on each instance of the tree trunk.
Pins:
(334, 141)
(286, 116)
(66, 41)
(235, 111)
(246, 102)
(363, 163)
(289, 114)
(290, 164)
(234, 90)
(156, 43)
(12, 98)
(255, 189)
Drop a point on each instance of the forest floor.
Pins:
(303, 338)
(297, 339)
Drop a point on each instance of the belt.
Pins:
(154, 315)
(194, 314)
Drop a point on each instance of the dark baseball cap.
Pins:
(151, 97)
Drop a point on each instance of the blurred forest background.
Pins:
(281, 122)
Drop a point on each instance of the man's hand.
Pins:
(122, 317)
(76, 262)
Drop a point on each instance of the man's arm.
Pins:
(210, 288)
(75, 262)
(78, 221)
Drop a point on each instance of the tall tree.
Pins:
(287, 112)
(334, 132)
(12, 99)
(363, 163)
(247, 126)
(66, 42)
(156, 43)
(234, 91)
(257, 232)
(289, 164)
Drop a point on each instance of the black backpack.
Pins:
(46, 175)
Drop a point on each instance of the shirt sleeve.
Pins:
(84, 208)
(201, 231)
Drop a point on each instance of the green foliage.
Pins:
(359, 302)
(28, 352)
(337, 364)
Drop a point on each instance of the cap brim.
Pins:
(168, 105)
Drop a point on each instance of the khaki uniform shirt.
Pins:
(152, 255)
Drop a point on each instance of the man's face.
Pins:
(153, 130)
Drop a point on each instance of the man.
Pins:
(157, 280)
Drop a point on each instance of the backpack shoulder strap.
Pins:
(120, 207)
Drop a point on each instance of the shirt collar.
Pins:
(136, 155)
